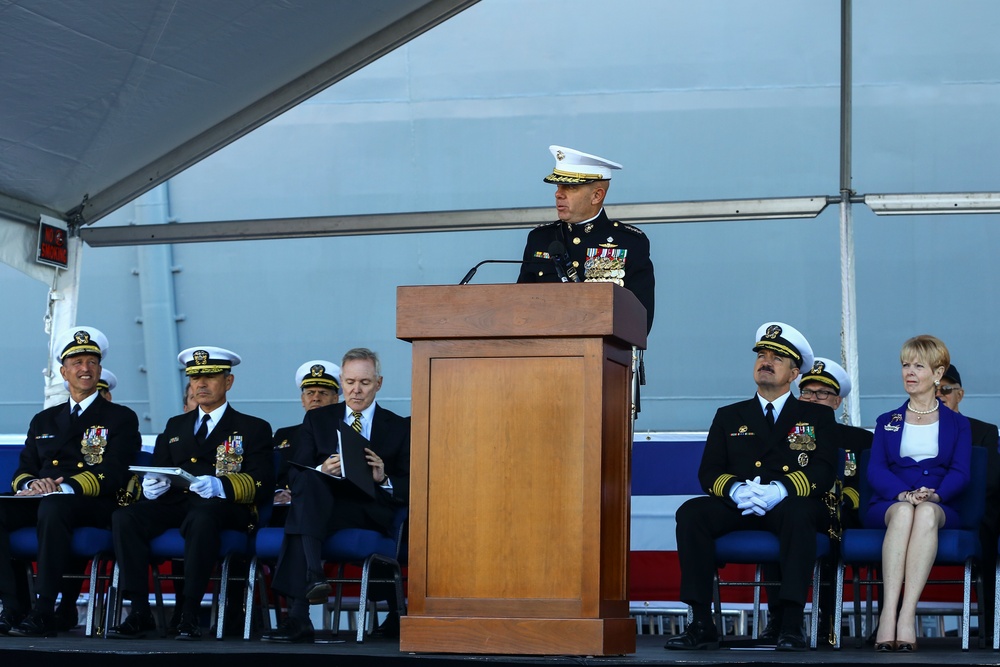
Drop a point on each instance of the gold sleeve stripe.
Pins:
(800, 482)
(244, 487)
(89, 483)
(719, 487)
(853, 496)
(20, 479)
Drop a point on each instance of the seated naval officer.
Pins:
(827, 383)
(318, 509)
(229, 454)
(595, 248)
(984, 434)
(67, 616)
(767, 464)
(78, 452)
(319, 383)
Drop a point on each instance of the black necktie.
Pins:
(769, 410)
(202, 433)
(75, 414)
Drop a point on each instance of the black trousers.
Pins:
(200, 521)
(318, 510)
(794, 520)
(54, 517)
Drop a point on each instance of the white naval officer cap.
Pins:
(318, 373)
(207, 360)
(81, 340)
(828, 372)
(786, 341)
(573, 167)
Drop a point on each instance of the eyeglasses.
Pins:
(946, 389)
(821, 394)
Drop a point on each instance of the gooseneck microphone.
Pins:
(472, 271)
(564, 266)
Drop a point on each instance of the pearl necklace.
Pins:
(921, 413)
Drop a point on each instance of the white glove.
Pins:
(207, 486)
(770, 494)
(153, 487)
(745, 499)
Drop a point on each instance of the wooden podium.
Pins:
(521, 467)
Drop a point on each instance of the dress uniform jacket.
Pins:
(390, 439)
(741, 446)
(200, 519)
(985, 435)
(177, 447)
(588, 239)
(96, 471)
(284, 442)
(853, 441)
(889, 473)
(53, 448)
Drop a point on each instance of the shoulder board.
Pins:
(630, 228)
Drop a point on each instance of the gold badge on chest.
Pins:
(802, 438)
(229, 455)
(95, 440)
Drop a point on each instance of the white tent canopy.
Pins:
(103, 102)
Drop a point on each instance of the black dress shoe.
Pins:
(67, 618)
(698, 636)
(771, 631)
(135, 626)
(36, 624)
(318, 592)
(188, 629)
(8, 620)
(791, 641)
(292, 631)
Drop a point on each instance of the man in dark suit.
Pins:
(79, 452)
(984, 434)
(593, 248)
(319, 383)
(319, 507)
(767, 463)
(229, 455)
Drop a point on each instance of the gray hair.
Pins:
(363, 354)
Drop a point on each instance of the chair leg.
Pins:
(996, 605)
(862, 628)
(158, 592)
(718, 605)
(838, 614)
(248, 598)
(223, 591)
(363, 599)
(814, 616)
(966, 604)
(113, 607)
(92, 604)
(756, 601)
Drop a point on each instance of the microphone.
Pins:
(472, 271)
(564, 267)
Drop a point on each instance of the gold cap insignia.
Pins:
(81, 337)
(317, 370)
(818, 367)
(560, 155)
(772, 332)
(200, 357)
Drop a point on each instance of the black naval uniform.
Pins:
(986, 435)
(200, 520)
(583, 239)
(284, 442)
(853, 441)
(96, 471)
(741, 446)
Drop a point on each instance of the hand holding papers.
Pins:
(177, 476)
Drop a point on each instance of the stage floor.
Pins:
(75, 648)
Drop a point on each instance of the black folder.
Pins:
(357, 474)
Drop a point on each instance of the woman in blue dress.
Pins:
(919, 466)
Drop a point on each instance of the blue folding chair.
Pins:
(370, 549)
(169, 545)
(862, 547)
